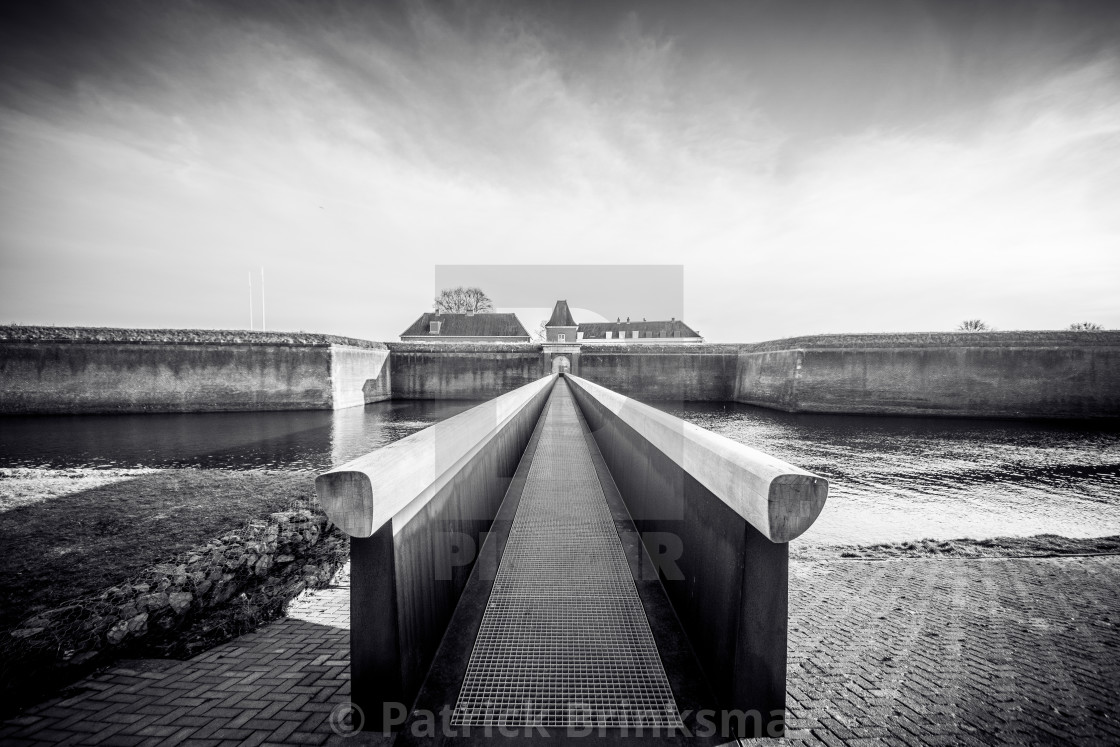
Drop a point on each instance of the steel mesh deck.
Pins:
(564, 639)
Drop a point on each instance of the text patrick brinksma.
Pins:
(348, 719)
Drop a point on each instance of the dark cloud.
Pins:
(736, 137)
(812, 65)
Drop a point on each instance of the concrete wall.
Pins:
(39, 377)
(463, 370)
(359, 375)
(651, 372)
(647, 371)
(999, 374)
(996, 374)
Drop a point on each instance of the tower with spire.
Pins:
(561, 345)
(561, 328)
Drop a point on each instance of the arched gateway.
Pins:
(561, 364)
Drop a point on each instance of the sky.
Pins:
(807, 167)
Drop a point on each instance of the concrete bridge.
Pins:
(563, 561)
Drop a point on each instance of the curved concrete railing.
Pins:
(415, 510)
(362, 495)
(715, 518)
(778, 499)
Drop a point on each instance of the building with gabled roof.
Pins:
(671, 331)
(466, 328)
(562, 329)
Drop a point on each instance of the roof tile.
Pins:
(467, 325)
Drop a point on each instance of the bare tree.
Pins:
(1085, 327)
(461, 300)
(973, 325)
(540, 334)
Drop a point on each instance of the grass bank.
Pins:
(73, 532)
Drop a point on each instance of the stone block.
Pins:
(180, 601)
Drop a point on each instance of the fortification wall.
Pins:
(463, 370)
(995, 374)
(698, 372)
(359, 375)
(649, 372)
(106, 373)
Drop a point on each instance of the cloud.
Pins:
(867, 183)
(905, 230)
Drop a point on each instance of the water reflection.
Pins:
(295, 440)
(907, 478)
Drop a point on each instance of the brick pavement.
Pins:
(936, 651)
(277, 685)
(901, 652)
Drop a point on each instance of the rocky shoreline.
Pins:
(178, 608)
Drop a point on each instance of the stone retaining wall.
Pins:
(205, 596)
(661, 372)
(463, 370)
(1051, 374)
(94, 375)
(1045, 374)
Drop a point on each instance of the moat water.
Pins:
(900, 478)
(302, 441)
(890, 478)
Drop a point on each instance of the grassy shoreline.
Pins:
(74, 532)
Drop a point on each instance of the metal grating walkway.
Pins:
(564, 639)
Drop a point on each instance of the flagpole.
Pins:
(264, 323)
(250, 300)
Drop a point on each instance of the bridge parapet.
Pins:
(730, 509)
(715, 517)
(365, 493)
(409, 509)
(778, 499)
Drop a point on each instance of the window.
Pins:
(560, 337)
(433, 328)
(579, 335)
(607, 335)
(635, 334)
